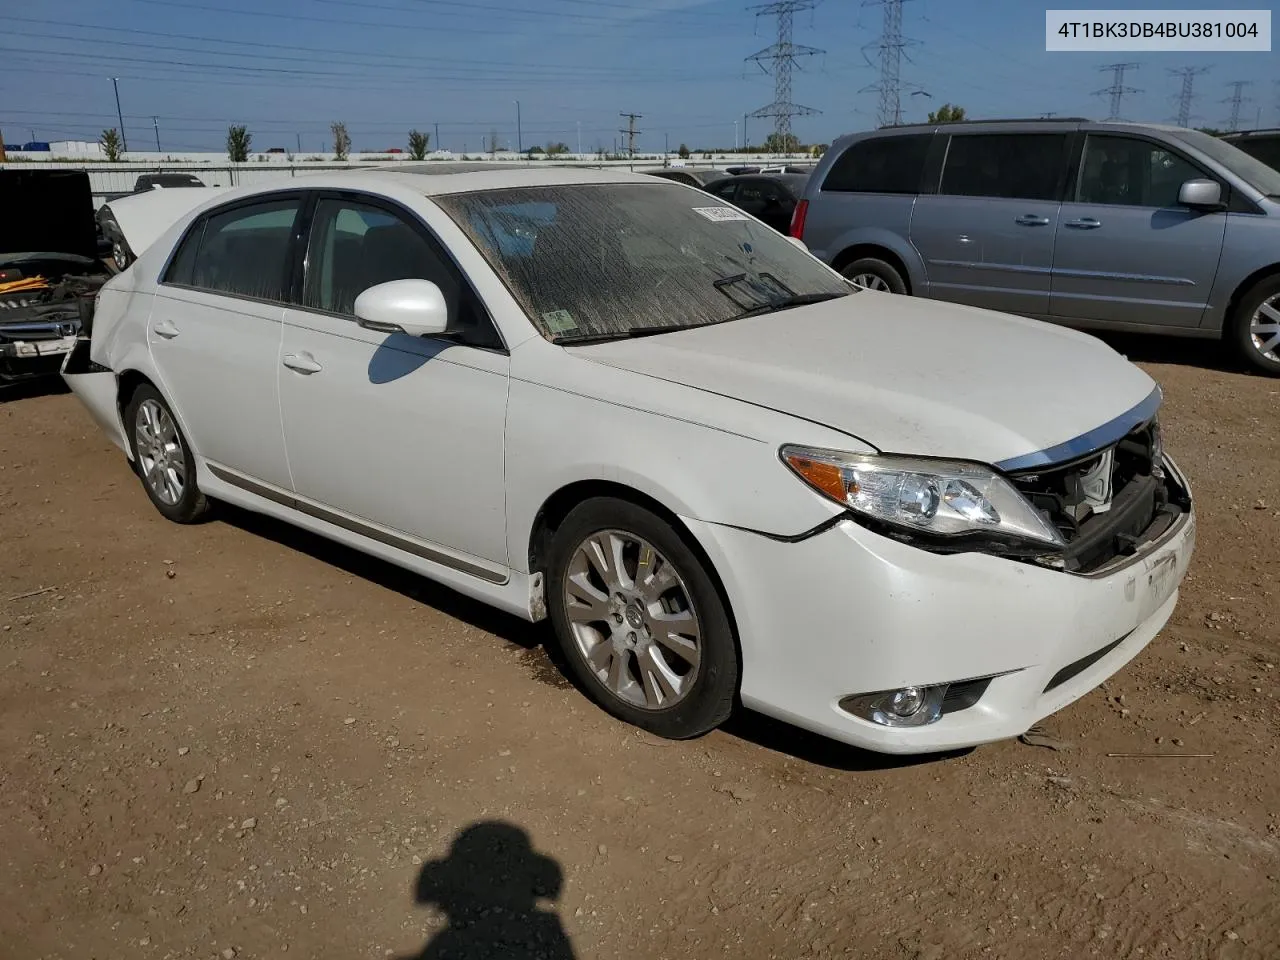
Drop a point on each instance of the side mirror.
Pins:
(415, 307)
(1200, 194)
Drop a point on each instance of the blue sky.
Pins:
(286, 68)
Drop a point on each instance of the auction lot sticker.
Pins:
(1225, 31)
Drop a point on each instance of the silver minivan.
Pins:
(1116, 226)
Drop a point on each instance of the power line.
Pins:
(379, 56)
(1117, 91)
(1237, 100)
(891, 46)
(1187, 94)
(782, 55)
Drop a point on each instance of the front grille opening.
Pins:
(963, 695)
(1072, 670)
(1109, 503)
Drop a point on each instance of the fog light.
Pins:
(906, 702)
(905, 707)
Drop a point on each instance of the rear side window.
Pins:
(1018, 166)
(241, 252)
(880, 165)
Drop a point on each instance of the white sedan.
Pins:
(725, 474)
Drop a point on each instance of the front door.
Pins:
(215, 330)
(393, 432)
(1126, 251)
(987, 235)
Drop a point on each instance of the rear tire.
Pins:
(875, 274)
(162, 458)
(639, 620)
(1255, 326)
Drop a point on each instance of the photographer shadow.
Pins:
(489, 887)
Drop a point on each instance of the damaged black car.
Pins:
(50, 268)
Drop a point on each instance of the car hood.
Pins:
(143, 218)
(905, 375)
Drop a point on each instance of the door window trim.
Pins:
(301, 256)
(1078, 173)
(201, 221)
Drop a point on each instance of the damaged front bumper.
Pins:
(35, 349)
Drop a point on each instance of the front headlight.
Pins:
(939, 497)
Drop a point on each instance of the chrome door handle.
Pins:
(302, 362)
(1084, 223)
(1031, 220)
(166, 329)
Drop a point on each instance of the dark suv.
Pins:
(1262, 145)
(1111, 225)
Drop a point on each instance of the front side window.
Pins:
(243, 252)
(1123, 171)
(881, 165)
(355, 246)
(1015, 166)
(601, 260)
(726, 190)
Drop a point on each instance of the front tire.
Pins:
(1255, 327)
(639, 620)
(162, 457)
(875, 274)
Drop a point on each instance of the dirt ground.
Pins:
(238, 740)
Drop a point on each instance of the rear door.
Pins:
(1126, 252)
(215, 330)
(987, 234)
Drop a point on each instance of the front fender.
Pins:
(556, 438)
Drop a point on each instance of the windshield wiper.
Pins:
(799, 300)
(633, 332)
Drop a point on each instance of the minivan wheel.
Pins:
(1256, 326)
(875, 274)
(162, 458)
(639, 621)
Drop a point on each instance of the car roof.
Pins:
(434, 179)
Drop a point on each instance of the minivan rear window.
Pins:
(880, 165)
(1017, 166)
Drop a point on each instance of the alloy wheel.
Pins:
(871, 281)
(160, 456)
(633, 620)
(1264, 329)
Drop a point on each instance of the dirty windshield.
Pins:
(601, 261)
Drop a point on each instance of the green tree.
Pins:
(818, 149)
(238, 142)
(776, 143)
(946, 114)
(683, 152)
(110, 143)
(557, 149)
(535, 151)
(341, 140)
(418, 143)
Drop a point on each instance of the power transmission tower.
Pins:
(1185, 97)
(891, 46)
(1117, 90)
(1237, 100)
(782, 57)
(631, 131)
